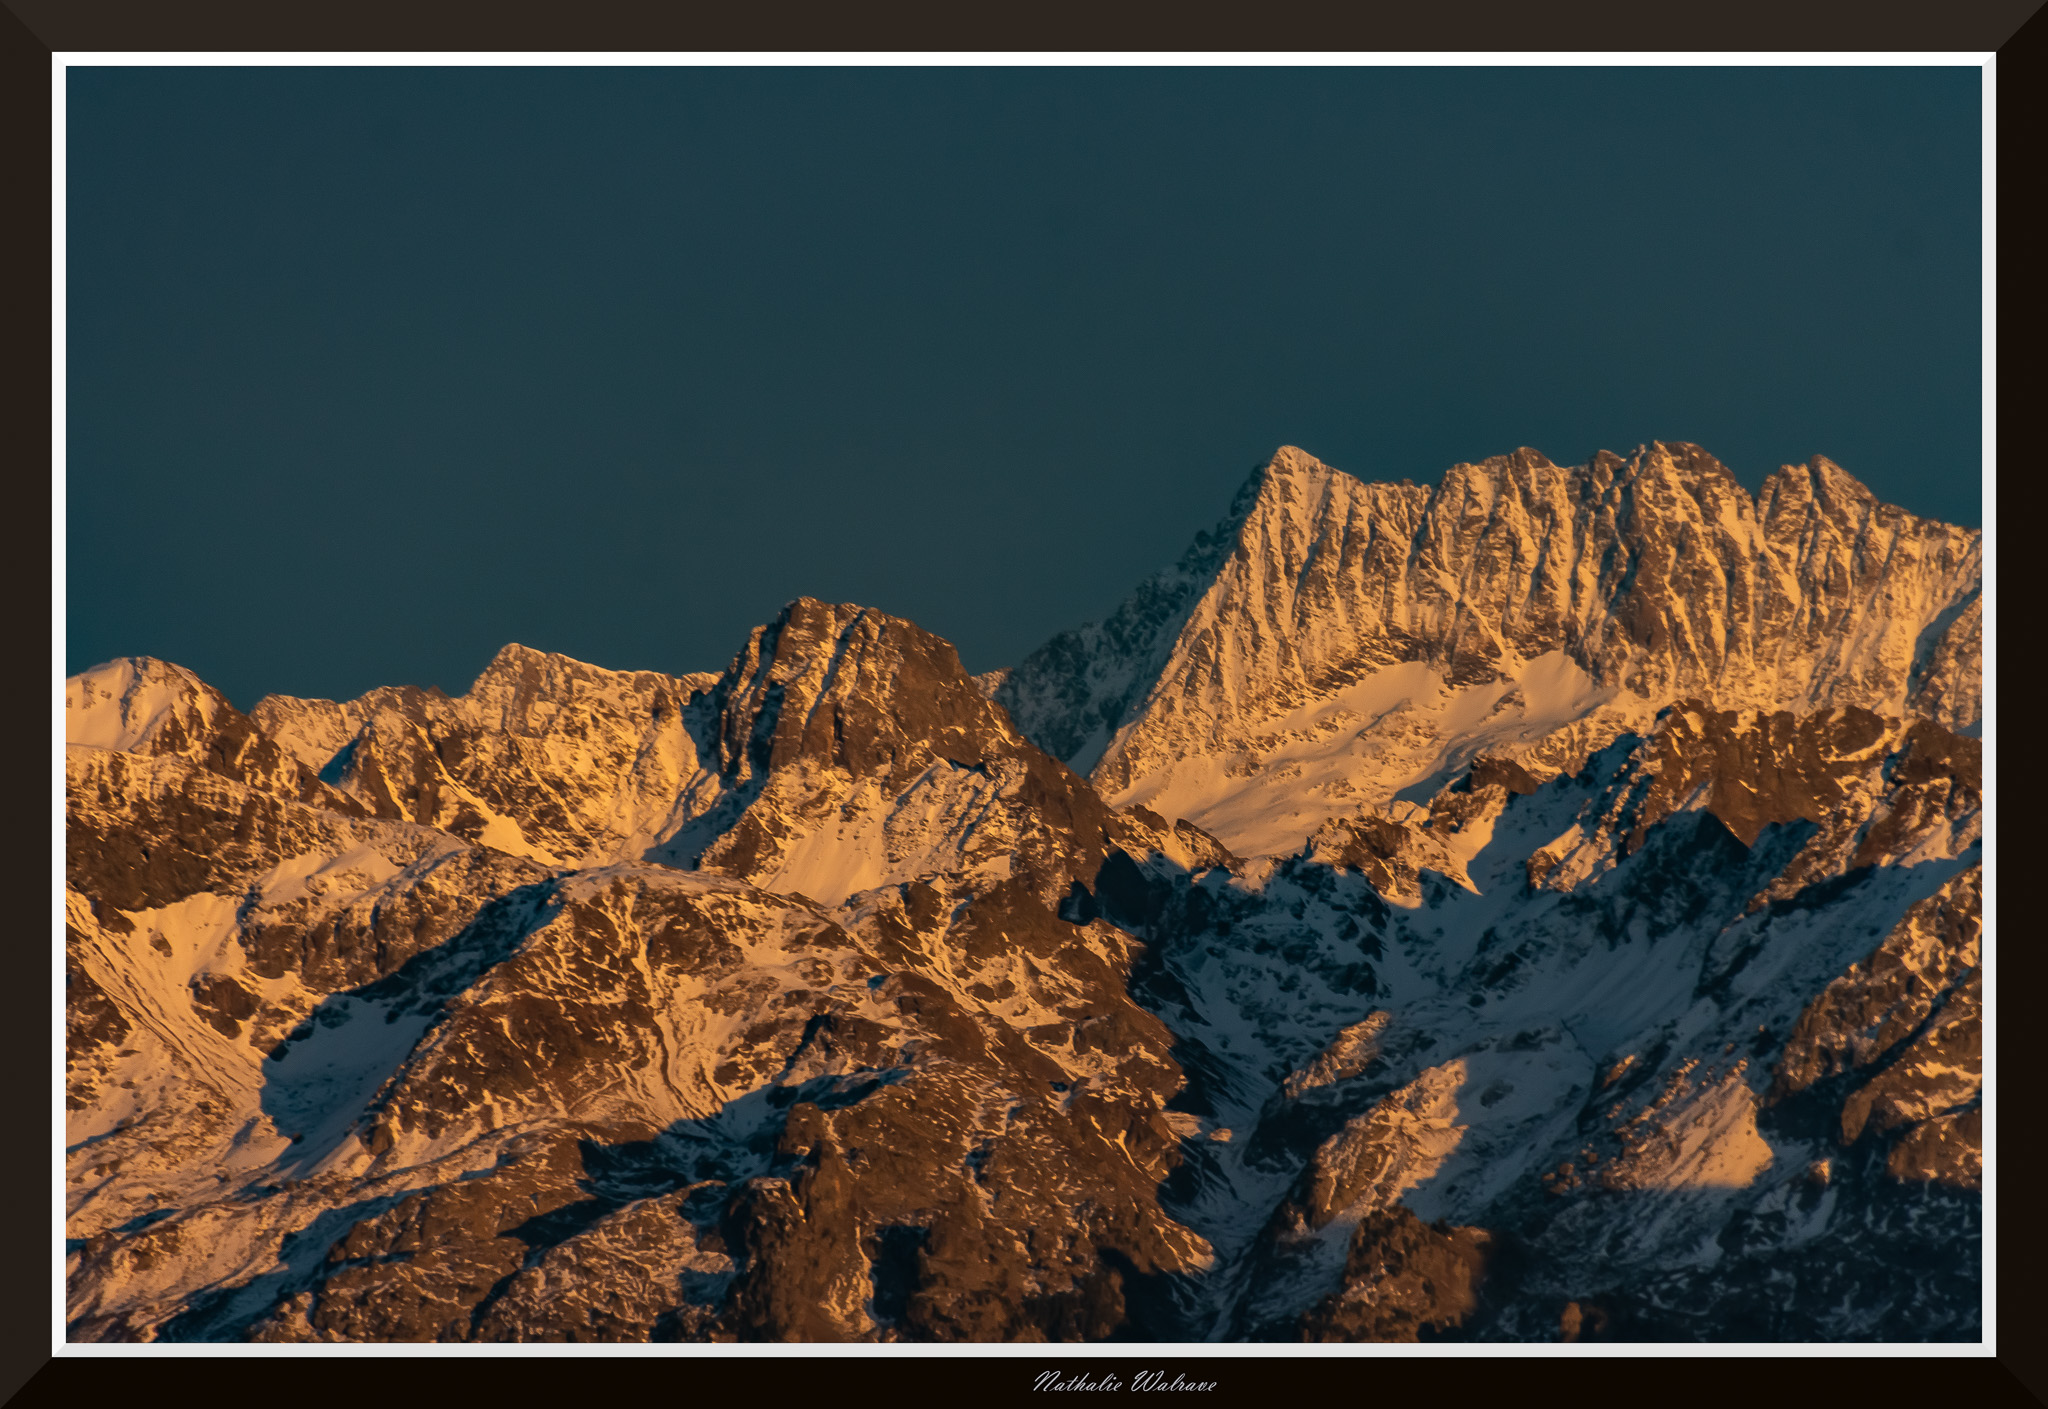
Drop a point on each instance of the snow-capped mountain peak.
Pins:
(1335, 643)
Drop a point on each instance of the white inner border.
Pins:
(1168, 1355)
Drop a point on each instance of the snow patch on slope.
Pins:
(1398, 735)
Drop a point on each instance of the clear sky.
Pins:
(371, 371)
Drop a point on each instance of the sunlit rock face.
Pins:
(1333, 644)
(1547, 906)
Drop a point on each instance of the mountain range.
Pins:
(1546, 905)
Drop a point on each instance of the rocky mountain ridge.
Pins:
(1333, 644)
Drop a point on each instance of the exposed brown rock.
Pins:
(1403, 1277)
(1946, 1149)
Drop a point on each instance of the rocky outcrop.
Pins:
(1905, 1026)
(1403, 1278)
(1855, 789)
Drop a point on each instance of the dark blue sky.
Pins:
(371, 371)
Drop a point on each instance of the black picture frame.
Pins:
(32, 31)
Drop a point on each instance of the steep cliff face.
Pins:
(1333, 643)
(1608, 962)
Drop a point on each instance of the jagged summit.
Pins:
(1821, 481)
(845, 748)
(1288, 463)
(848, 686)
